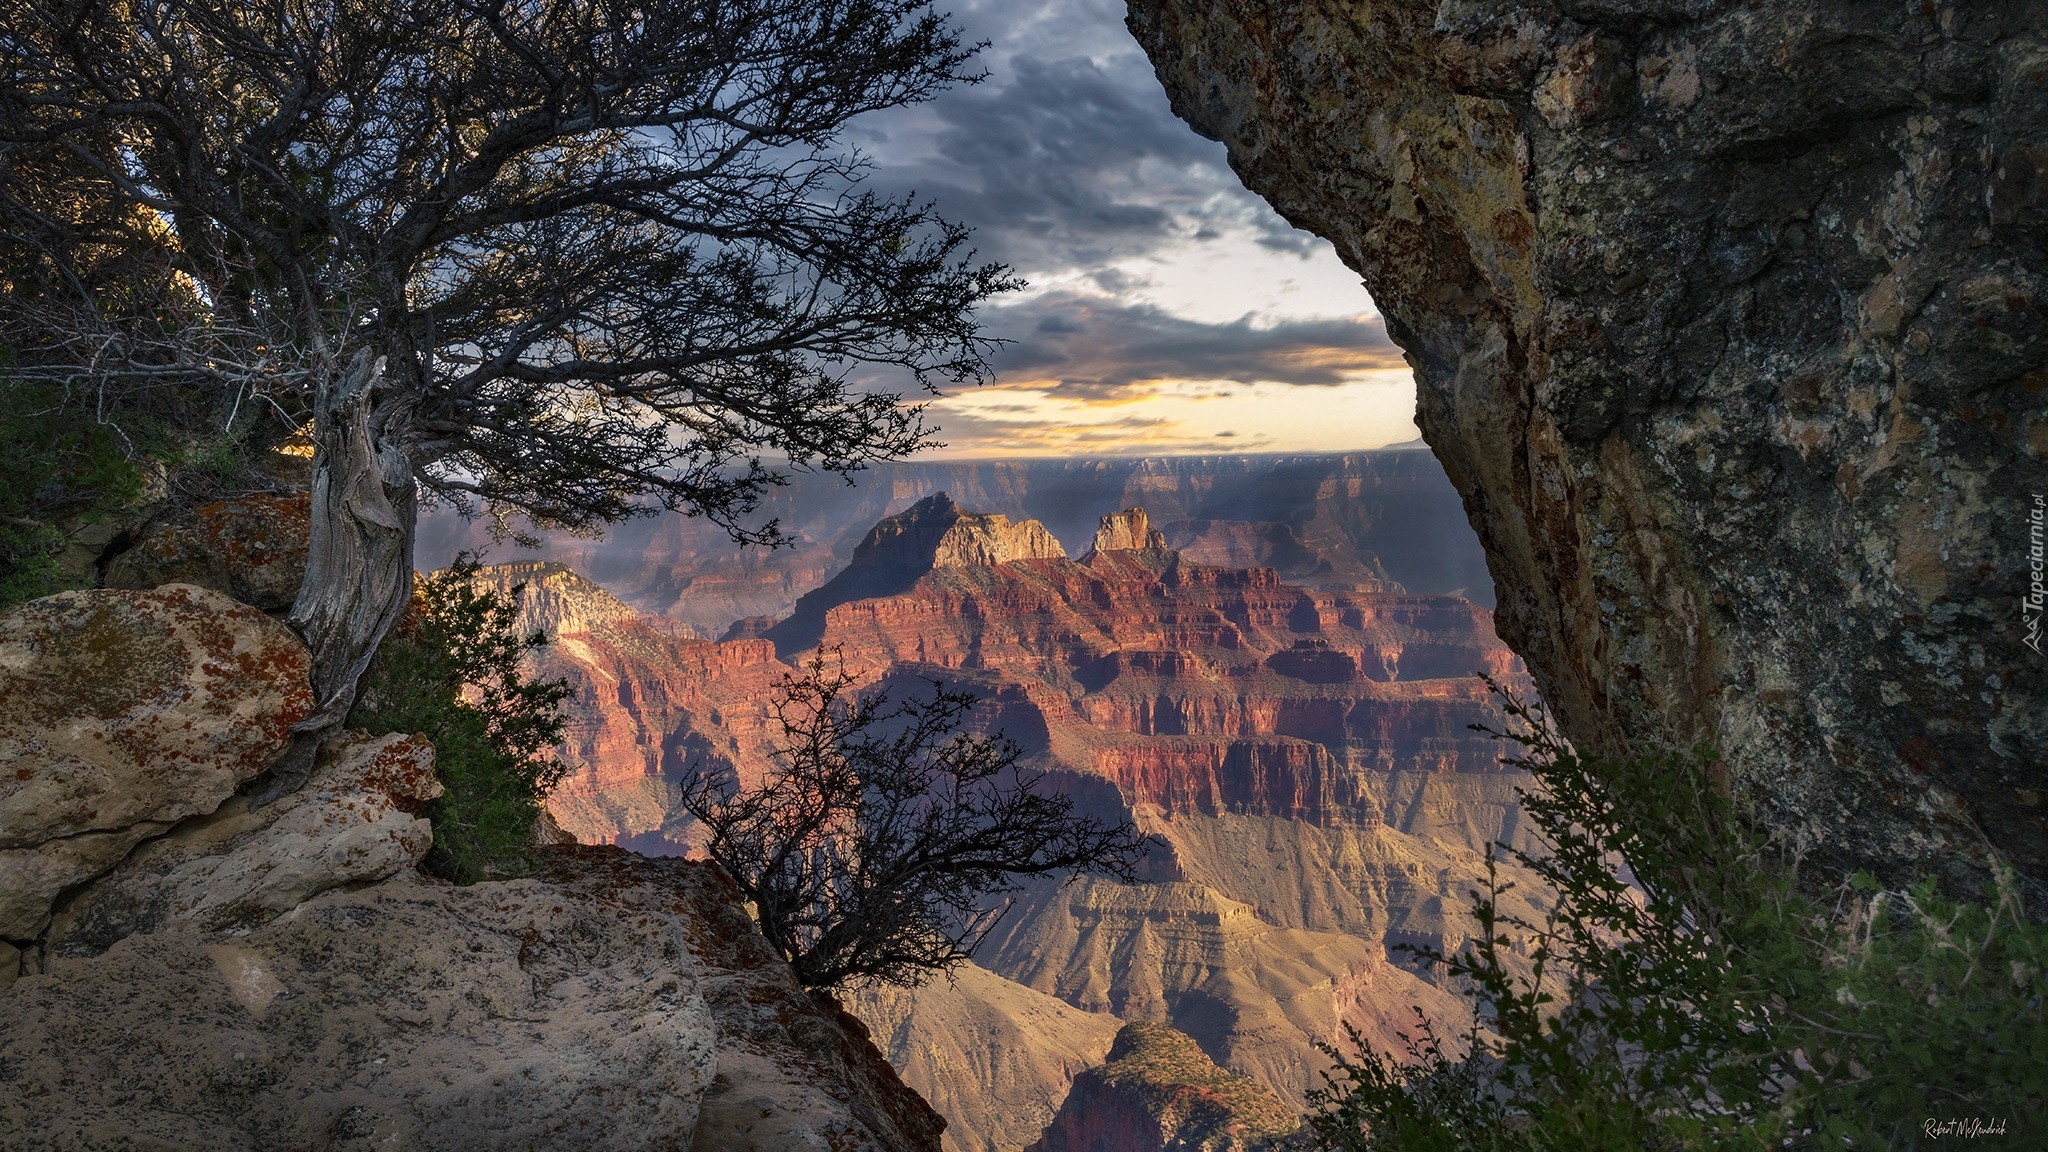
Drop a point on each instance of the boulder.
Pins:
(121, 713)
(252, 548)
(354, 823)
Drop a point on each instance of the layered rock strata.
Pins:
(1304, 758)
(1385, 519)
(1730, 323)
(649, 707)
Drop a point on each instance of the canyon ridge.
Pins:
(1304, 756)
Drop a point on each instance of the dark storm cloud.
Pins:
(1068, 155)
(1091, 349)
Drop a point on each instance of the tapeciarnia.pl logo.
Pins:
(2037, 565)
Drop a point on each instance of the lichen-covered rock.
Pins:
(1730, 323)
(252, 548)
(1127, 531)
(611, 1002)
(122, 713)
(353, 823)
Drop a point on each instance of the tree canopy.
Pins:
(573, 259)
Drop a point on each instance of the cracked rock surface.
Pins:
(122, 713)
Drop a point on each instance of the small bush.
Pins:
(1684, 993)
(868, 853)
(451, 672)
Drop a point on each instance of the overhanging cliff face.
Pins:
(1730, 323)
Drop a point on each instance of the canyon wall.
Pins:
(1321, 520)
(1730, 323)
(1303, 757)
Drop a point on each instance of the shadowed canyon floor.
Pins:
(1303, 756)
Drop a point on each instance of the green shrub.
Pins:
(1683, 992)
(60, 470)
(451, 672)
(76, 459)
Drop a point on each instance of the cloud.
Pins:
(972, 433)
(1103, 350)
(1068, 156)
(1171, 310)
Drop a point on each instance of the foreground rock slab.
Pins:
(122, 713)
(354, 823)
(611, 1002)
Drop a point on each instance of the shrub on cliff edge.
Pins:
(451, 672)
(869, 851)
(1684, 993)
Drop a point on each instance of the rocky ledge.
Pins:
(181, 970)
(1730, 323)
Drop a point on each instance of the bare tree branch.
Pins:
(872, 851)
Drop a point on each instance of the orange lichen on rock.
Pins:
(121, 713)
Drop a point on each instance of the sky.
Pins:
(1169, 310)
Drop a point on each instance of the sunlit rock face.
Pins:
(995, 1058)
(1127, 531)
(933, 534)
(1730, 322)
(1158, 1092)
(649, 706)
(1371, 519)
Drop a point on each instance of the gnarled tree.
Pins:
(575, 259)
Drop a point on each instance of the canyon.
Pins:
(1304, 759)
(1317, 519)
(1729, 323)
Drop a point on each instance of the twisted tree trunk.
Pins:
(359, 557)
